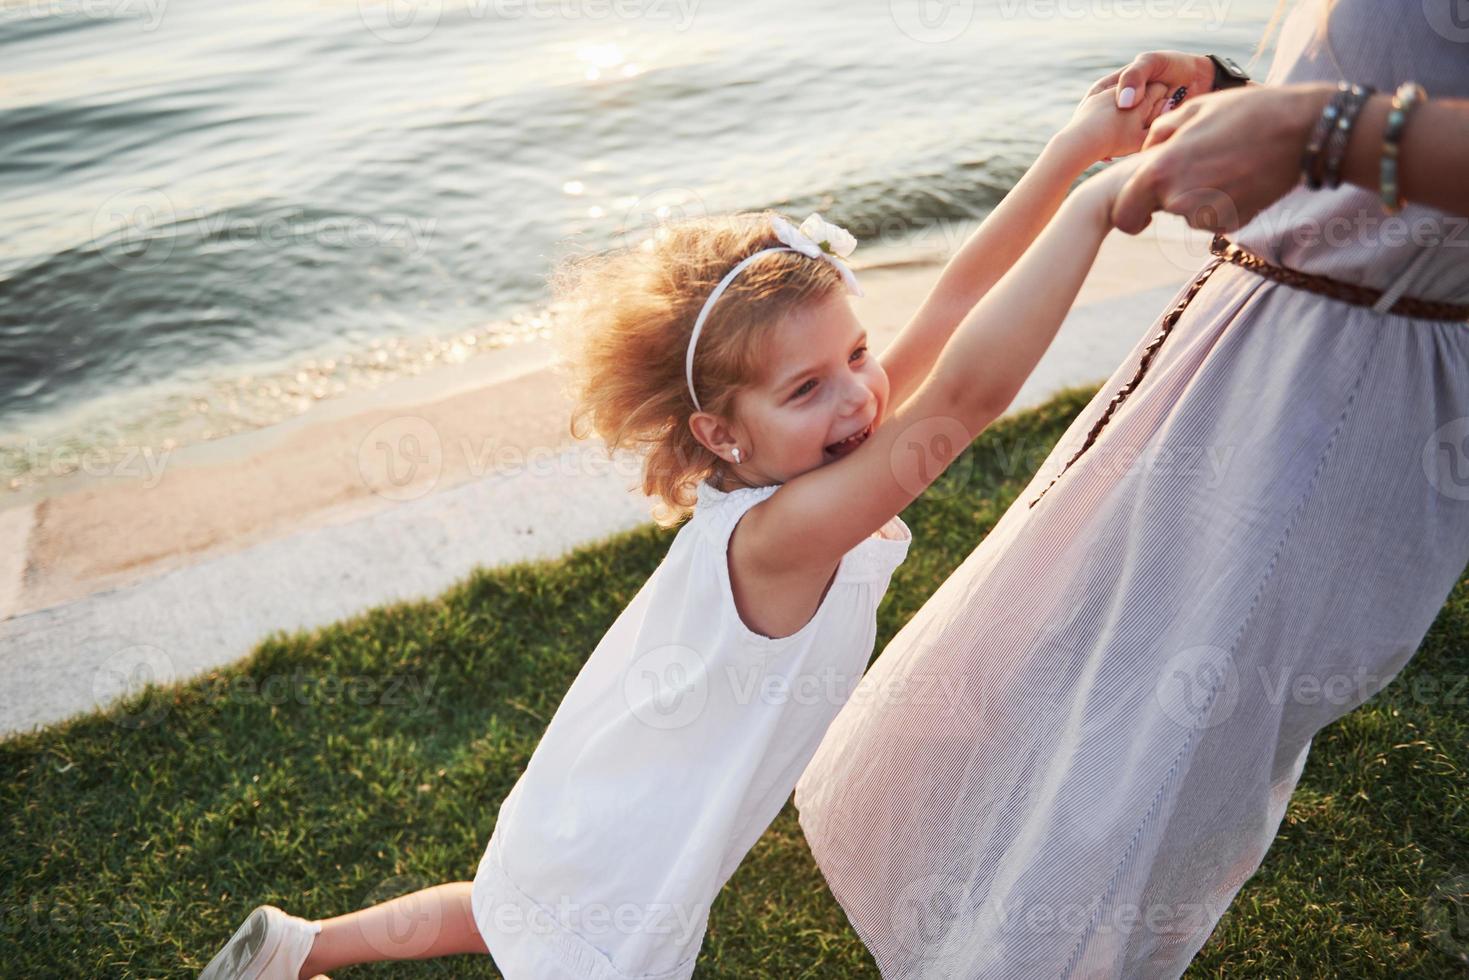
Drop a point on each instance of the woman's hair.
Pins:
(1278, 17)
(625, 333)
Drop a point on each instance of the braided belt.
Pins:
(1350, 292)
(1226, 251)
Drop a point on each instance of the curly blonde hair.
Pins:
(624, 325)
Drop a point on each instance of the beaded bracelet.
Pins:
(1341, 134)
(1318, 132)
(1404, 100)
(1346, 98)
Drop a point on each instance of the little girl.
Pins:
(726, 349)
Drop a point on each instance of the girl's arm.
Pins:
(834, 507)
(1096, 130)
(986, 256)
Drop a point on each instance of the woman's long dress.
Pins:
(1072, 757)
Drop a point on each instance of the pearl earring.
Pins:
(737, 454)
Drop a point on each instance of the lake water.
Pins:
(216, 214)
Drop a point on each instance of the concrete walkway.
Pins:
(75, 641)
(82, 654)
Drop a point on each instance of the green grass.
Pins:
(137, 839)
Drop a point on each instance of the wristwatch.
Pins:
(1227, 74)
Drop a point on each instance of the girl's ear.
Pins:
(714, 433)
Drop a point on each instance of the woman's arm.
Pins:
(1433, 155)
(1096, 130)
(1217, 180)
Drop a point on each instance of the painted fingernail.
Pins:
(1127, 97)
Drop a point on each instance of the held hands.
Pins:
(1172, 68)
(1220, 161)
(1104, 130)
(1217, 161)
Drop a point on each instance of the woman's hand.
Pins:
(1172, 68)
(1221, 160)
(1103, 130)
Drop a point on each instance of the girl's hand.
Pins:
(1107, 131)
(1101, 191)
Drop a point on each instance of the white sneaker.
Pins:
(270, 945)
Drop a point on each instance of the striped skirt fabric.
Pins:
(1070, 759)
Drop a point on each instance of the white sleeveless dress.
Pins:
(1134, 668)
(674, 748)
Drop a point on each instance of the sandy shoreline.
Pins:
(493, 430)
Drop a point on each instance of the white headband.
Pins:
(816, 238)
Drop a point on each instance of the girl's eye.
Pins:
(803, 389)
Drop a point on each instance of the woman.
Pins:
(1072, 757)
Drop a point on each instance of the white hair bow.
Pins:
(820, 239)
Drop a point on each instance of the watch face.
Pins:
(1227, 74)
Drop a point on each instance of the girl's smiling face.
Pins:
(821, 385)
